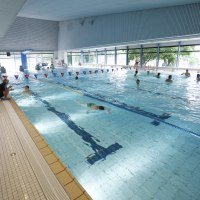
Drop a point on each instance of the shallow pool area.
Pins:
(148, 147)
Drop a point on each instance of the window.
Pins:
(133, 56)
(101, 57)
(110, 57)
(76, 58)
(168, 56)
(189, 57)
(149, 56)
(121, 57)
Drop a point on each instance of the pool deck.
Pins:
(29, 168)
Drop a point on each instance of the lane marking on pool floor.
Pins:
(118, 104)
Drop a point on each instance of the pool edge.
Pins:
(69, 183)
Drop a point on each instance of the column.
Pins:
(158, 55)
(105, 57)
(127, 55)
(141, 56)
(24, 60)
(115, 55)
(178, 54)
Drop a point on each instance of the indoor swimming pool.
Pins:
(146, 147)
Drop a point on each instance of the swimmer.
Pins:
(76, 78)
(93, 106)
(198, 77)
(136, 73)
(158, 75)
(27, 90)
(169, 79)
(138, 82)
(148, 72)
(187, 74)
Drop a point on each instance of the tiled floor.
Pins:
(18, 180)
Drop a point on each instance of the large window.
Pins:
(101, 57)
(121, 57)
(189, 57)
(93, 57)
(69, 58)
(35, 58)
(133, 56)
(86, 57)
(110, 57)
(8, 62)
(76, 57)
(168, 56)
(12, 63)
(149, 56)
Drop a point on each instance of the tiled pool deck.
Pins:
(29, 168)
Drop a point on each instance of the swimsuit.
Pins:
(90, 105)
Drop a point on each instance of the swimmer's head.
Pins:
(101, 108)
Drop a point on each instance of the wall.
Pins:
(26, 33)
(129, 27)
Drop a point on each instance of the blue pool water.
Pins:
(147, 148)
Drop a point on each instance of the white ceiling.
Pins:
(60, 10)
(8, 13)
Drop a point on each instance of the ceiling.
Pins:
(8, 12)
(60, 10)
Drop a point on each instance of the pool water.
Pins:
(148, 147)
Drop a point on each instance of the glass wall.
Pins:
(13, 62)
(8, 62)
(133, 56)
(189, 57)
(101, 57)
(69, 58)
(93, 57)
(85, 57)
(76, 58)
(168, 56)
(149, 56)
(110, 57)
(121, 57)
(37, 58)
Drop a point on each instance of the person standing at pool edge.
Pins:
(4, 90)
